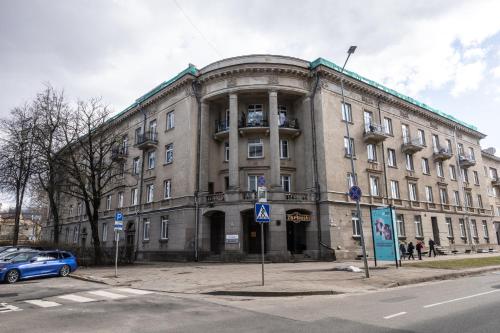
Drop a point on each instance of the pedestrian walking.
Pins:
(419, 248)
(409, 250)
(432, 249)
(402, 250)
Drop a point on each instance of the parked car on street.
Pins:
(30, 264)
(17, 249)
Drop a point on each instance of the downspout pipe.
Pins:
(197, 95)
(315, 165)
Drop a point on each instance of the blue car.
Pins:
(27, 265)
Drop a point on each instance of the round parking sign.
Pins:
(355, 193)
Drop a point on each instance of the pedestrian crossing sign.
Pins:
(262, 212)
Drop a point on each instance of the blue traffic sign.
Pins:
(119, 217)
(262, 212)
(355, 193)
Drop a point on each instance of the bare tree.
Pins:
(52, 114)
(16, 157)
(89, 170)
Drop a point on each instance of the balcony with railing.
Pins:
(411, 146)
(441, 154)
(375, 133)
(253, 126)
(221, 129)
(466, 160)
(146, 140)
(119, 153)
(289, 126)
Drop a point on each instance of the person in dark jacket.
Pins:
(432, 249)
(402, 250)
(409, 250)
(419, 248)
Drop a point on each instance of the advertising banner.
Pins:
(385, 238)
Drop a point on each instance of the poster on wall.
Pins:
(385, 237)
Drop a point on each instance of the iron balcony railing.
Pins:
(119, 152)
(253, 123)
(375, 129)
(148, 136)
(289, 123)
(221, 126)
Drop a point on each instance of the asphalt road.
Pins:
(68, 305)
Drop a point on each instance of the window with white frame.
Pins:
(456, 198)
(465, 175)
(120, 200)
(400, 223)
(152, 129)
(449, 226)
(443, 195)
(167, 189)
(425, 166)
(170, 120)
(412, 190)
(226, 151)
(368, 117)
(372, 152)
(435, 143)
(395, 189)
(253, 182)
(486, 233)
(461, 150)
(388, 125)
(104, 232)
(255, 148)
(439, 169)
(421, 137)
(79, 209)
(471, 153)
(286, 183)
(474, 228)
(282, 115)
(138, 134)
(409, 162)
(169, 153)
(349, 146)
(284, 148)
(493, 174)
(461, 223)
(346, 112)
(255, 115)
(391, 157)
(476, 177)
(374, 188)
(428, 194)
(480, 201)
(406, 133)
(356, 227)
(125, 144)
(164, 227)
(468, 199)
(150, 189)
(350, 180)
(146, 225)
(136, 167)
(108, 202)
(134, 197)
(449, 146)
(418, 226)
(453, 172)
(151, 159)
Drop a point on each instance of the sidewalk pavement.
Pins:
(306, 278)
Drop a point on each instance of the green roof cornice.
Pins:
(331, 65)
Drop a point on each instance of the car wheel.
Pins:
(64, 271)
(12, 276)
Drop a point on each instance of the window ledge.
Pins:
(392, 167)
(349, 156)
(255, 158)
(145, 241)
(163, 240)
(356, 237)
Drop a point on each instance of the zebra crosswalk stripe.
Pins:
(4, 307)
(77, 298)
(107, 294)
(41, 303)
(134, 291)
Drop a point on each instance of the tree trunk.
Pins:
(55, 216)
(94, 227)
(17, 218)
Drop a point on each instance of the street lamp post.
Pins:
(354, 178)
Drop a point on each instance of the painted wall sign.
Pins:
(297, 217)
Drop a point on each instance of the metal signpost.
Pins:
(262, 215)
(355, 194)
(118, 228)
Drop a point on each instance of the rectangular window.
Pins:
(356, 228)
(134, 196)
(150, 193)
(151, 159)
(282, 115)
(284, 148)
(286, 183)
(406, 133)
(453, 172)
(136, 167)
(374, 189)
(146, 229)
(108, 202)
(349, 148)
(435, 143)
(350, 180)
(346, 112)
(471, 153)
(395, 189)
(104, 232)
(252, 183)
(449, 226)
(391, 157)
(167, 189)
(476, 177)
(486, 233)
(409, 162)
(79, 209)
(461, 222)
(456, 198)
(465, 175)
(70, 210)
(443, 196)
(400, 222)
(474, 228)
(75, 234)
(461, 151)
(169, 153)
(255, 115)
(372, 152)
(468, 199)
(152, 129)
(255, 148)
(425, 166)
(388, 126)
(421, 137)
(480, 201)
(493, 174)
(164, 227)
(170, 120)
(428, 194)
(226, 151)
(368, 117)
(120, 200)
(412, 190)
(449, 146)
(418, 226)
(138, 134)
(439, 169)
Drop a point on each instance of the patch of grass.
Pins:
(457, 263)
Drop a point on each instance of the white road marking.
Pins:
(43, 304)
(461, 298)
(4, 307)
(395, 315)
(134, 291)
(77, 298)
(107, 294)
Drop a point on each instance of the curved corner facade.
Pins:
(198, 146)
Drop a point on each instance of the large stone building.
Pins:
(198, 144)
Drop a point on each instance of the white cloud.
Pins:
(468, 77)
(496, 72)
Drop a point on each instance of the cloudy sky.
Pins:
(444, 53)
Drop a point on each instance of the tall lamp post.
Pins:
(351, 153)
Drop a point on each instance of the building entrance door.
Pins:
(252, 233)
(296, 237)
(217, 232)
(497, 231)
(435, 230)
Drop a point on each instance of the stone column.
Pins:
(204, 147)
(274, 140)
(308, 143)
(234, 174)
